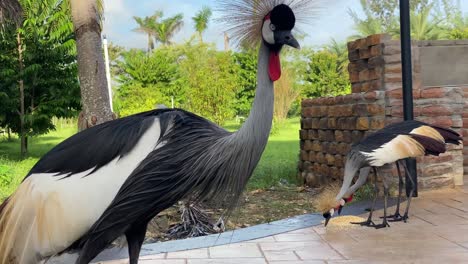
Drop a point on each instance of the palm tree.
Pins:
(341, 51)
(423, 27)
(10, 9)
(87, 18)
(166, 29)
(146, 25)
(365, 27)
(201, 21)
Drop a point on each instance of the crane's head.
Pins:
(327, 202)
(276, 32)
(269, 21)
(338, 206)
(277, 27)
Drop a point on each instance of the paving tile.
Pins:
(228, 261)
(303, 231)
(158, 256)
(447, 219)
(291, 246)
(298, 262)
(163, 261)
(357, 262)
(297, 237)
(280, 255)
(121, 261)
(457, 234)
(195, 253)
(409, 232)
(320, 253)
(381, 250)
(265, 239)
(240, 250)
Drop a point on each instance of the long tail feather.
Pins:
(431, 146)
(449, 135)
(16, 228)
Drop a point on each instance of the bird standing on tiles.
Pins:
(112, 179)
(407, 139)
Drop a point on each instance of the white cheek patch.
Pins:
(342, 202)
(267, 33)
(332, 212)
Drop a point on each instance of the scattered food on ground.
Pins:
(343, 222)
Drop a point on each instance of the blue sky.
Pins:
(333, 20)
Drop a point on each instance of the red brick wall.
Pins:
(330, 125)
(465, 130)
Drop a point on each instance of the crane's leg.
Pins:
(384, 221)
(94, 245)
(100, 240)
(135, 237)
(397, 216)
(369, 221)
(413, 184)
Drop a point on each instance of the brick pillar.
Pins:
(330, 125)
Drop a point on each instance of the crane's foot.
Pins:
(382, 225)
(405, 218)
(395, 217)
(368, 222)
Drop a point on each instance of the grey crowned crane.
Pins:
(112, 179)
(394, 143)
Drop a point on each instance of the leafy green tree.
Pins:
(247, 74)
(212, 85)
(201, 20)
(38, 61)
(152, 79)
(458, 28)
(147, 25)
(340, 49)
(428, 18)
(318, 74)
(423, 27)
(167, 28)
(374, 22)
(134, 98)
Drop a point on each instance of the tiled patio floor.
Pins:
(437, 232)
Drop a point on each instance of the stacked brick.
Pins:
(465, 131)
(330, 125)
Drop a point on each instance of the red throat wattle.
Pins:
(274, 66)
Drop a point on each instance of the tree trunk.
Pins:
(9, 134)
(24, 149)
(91, 67)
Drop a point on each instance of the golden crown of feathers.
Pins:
(244, 18)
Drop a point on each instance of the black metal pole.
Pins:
(405, 35)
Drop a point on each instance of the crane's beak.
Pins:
(285, 37)
(339, 209)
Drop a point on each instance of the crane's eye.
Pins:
(272, 27)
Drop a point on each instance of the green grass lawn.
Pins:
(278, 163)
(13, 169)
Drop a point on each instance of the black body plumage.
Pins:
(98, 145)
(197, 159)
